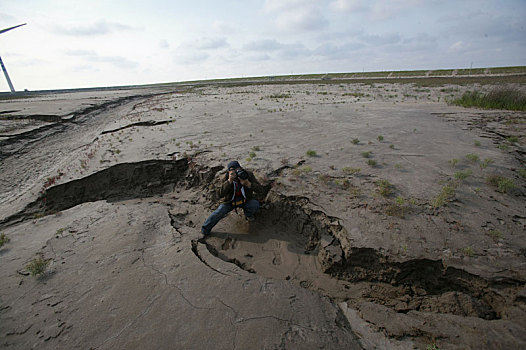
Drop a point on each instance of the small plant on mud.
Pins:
(512, 139)
(252, 154)
(472, 157)
(398, 166)
(3, 239)
(504, 147)
(522, 173)
(380, 138)
(462, 175)
(311, 153)
(446, 193)
(351, 171)
(256, 148)
(453, 162)
(371, 163)
(355, 141)
(486, 163)
(366, 154)
(391, 146)
(384, 188)
(502, 183)
(477, 143)
(398, 208)
(495, 234)
(303, 170)
(432, 347)
(468, 251)
(37, 266)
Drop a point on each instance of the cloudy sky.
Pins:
(70, 44)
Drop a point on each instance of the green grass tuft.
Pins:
(472, 157)
(37, 266)
(384, 188)
(355, 141)
(366, 154)
(453, 162)
(350, 170)
(462, 175)
(501, 98)
(3, 239)
(311, 153)
(446, 193)
(502, 183)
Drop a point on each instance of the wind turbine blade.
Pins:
(7, 29)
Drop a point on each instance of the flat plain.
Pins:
(390, 219)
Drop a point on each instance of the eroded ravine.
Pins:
(295, 241)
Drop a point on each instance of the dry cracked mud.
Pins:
(111, 187)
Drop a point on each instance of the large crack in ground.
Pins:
(306, 246)
(293, 240)
(14, 143)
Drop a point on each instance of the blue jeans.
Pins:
(250, 208)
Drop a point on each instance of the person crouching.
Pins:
(236, 192)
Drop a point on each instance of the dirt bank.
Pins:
(386, 221)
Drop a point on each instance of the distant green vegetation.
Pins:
(502, 98)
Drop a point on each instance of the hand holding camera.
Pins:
(241, 175)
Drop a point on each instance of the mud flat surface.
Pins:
(389, 220)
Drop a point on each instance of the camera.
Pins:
(242, 174)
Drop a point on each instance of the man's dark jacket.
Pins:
(227, 189)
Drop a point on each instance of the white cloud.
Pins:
(459, 47)
(100, 27)
(296, 15)
(190, 57)
(210, 43)
(92, 56)
(348, 6)
(163, 44)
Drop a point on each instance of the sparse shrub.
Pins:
(468, 251)
(366, 154)
(503, 147)
(486, 163)
(472, 157)
(355, 141)
(354, 191)
(311, 153)
(502, 183)
(522, 173)
(3, 239)
(380, 138)
(384, 188)
(398, 208)
(477, 143)
(462, 175)
(398, 166)
(512, 139)
(371, 163)
(495, 234)
(350, 170)
(453, 162)
(37, 266)
(446, 193)
(501, 98)
(391, 146)
(256, 148)
(252, 154)
(280, 96)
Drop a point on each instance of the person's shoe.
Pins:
(250, 218)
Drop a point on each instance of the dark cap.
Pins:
(233, 164)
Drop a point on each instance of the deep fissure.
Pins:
(416, 284)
